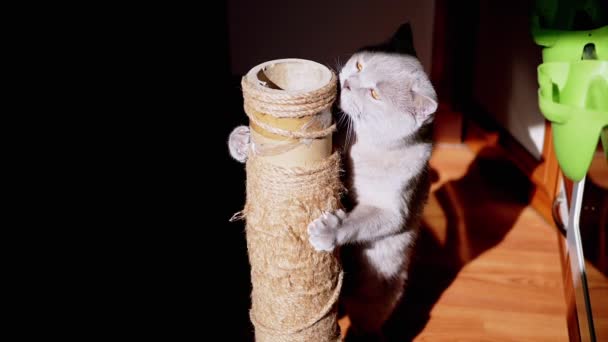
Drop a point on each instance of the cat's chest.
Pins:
(378, 164)
(377, 173)
(375, 165)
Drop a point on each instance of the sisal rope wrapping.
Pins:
(295, 289)
(290, 134)
(282, 104)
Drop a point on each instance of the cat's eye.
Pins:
(359, 66)
(375, 94)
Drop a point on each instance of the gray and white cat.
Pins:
(390, 102)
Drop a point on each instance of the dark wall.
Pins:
(506, 59)
(321, 30)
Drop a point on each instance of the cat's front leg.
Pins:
(322, 232)
(238, 143)
(368, 223)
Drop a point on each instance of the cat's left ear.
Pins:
(403, 40)
(424, 106)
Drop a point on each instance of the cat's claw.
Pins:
(322, 231)
(238, 143)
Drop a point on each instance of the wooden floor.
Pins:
(488, 266)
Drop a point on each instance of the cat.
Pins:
(390, 103)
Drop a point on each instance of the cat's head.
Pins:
(385, 90)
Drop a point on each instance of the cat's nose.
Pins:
(346, 85)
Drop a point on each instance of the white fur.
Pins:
(386, 160)
(321, 231)
(238, 143)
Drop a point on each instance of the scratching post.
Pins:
(292, 177)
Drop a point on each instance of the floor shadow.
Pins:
(480, 209)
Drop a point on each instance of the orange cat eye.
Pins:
(359, 66)
(375, 94)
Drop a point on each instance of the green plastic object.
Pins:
(574, 97)
(573, 79)
(568, 46)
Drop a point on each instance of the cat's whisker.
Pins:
(349, 132)
(342, 118)
(347, 140)
(347, 143)
(338, 64)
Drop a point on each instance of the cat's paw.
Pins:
(238, 143)
(322, 231)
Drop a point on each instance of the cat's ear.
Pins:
(424, 106)
(403, 40)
